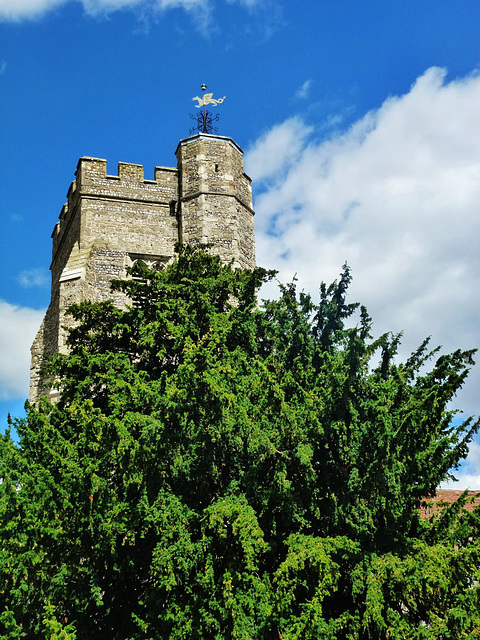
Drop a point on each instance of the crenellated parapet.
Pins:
(98, 202)
(91, 176)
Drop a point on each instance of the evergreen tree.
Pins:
(217, 470)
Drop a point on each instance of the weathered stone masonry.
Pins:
(110, 221)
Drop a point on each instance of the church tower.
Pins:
(111, 221)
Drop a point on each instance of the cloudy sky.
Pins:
(360, 123)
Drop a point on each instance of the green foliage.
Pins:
(219, 470)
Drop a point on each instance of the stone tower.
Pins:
(111, 221)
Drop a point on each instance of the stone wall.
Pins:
(109, 221)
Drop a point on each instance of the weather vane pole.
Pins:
(205, 118)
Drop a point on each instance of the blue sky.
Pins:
(360, 123)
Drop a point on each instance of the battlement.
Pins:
(94, 170)
(92, 180)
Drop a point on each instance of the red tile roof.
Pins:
(446, 497)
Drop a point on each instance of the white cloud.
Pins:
(397, 196)
(20, 9)
(107, 6)
(464, 481)
(275, 152)
(18, 327)
(304, 90)
(33, 278)
(16, 10)
(468, 477)
(3, 67)
(95, 7)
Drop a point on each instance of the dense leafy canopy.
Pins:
(218, 470)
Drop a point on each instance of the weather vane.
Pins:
(205, 117)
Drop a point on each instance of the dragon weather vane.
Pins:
(205, 118)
